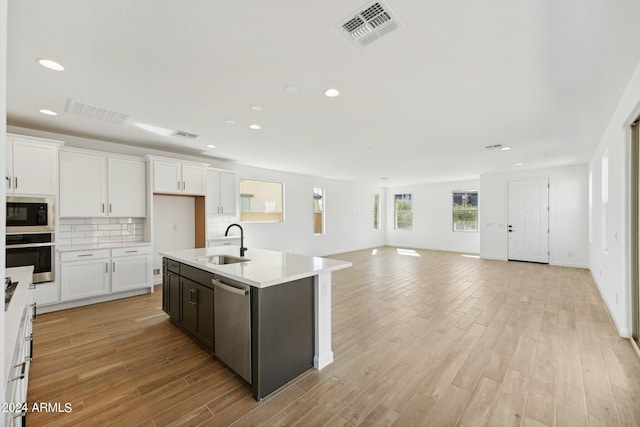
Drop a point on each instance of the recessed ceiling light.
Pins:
(255, 126)
(256, 108)
(52, 65)
(291, 90)
(211, 146)
(332, 93)
(505, 148)
(48, 112)
(230, 122)
(518, 164)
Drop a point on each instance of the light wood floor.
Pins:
(440, 339)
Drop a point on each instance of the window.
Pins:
(261, 201)
(465, 210)
(604, 223)
(591, 206)
(376, 211)
(318, 210)
(402, 212)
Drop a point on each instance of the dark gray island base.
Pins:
(270, 330)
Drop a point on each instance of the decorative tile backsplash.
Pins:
(78, 231)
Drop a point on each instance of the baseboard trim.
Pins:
(89, 301)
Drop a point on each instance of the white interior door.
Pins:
(528, 221)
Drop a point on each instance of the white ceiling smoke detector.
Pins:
(369, 23)
(96, 113)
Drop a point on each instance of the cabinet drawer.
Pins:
(135, 250)
(172, 265)
(196, 275)
(84, 255)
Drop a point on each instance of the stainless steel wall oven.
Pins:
(35, 249)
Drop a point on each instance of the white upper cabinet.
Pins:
(83, 184)
(222, 192)
(32, 165)
(176, 177)
(96, 185)
(127, 187)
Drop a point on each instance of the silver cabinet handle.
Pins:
(9, 179)
(34, 315)
(22, 369)
(132, 252)
(228, 288)
(178, 185)
(106, 267)
(109, 207)
(182, 185)
(114, 267)
(194, 296)
(85, 255)
(29, 357)
(15, 181)
(103, 208)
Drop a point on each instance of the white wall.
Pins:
(568, 224)
(173, 225)
(611, 269)
(348, 220)
(432, 218)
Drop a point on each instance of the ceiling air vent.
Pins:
(185, 135)
(96, 113)
(369, 23)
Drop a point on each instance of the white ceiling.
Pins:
(418, 105)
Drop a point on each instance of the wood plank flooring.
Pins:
(437, 339)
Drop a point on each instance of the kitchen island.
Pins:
(266, 315)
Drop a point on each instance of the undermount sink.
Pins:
(222, 259)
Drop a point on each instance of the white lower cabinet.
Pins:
(130, 268)
(86, 274)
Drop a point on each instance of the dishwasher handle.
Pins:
(228, 288)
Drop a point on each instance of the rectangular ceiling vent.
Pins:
(369, 23)
(96, 113)
(185, 135)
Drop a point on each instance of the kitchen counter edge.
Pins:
(259, 259)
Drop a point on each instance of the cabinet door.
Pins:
(173, 294)
(188, 305)
(127, 186)
(167, 177)
(212, 199)
(83, 185)
(34, 167)
(129, 273)
(9, 165)
(83, 279)
(204, 297)
(193, 179)
(228, 193)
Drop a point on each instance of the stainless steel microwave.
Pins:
(30, 214)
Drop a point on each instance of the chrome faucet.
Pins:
(242, 248)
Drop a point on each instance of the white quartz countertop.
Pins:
(94, 246)
(223, 238)
(13, 314)
(263, 267)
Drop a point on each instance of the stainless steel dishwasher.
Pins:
(232, 320)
